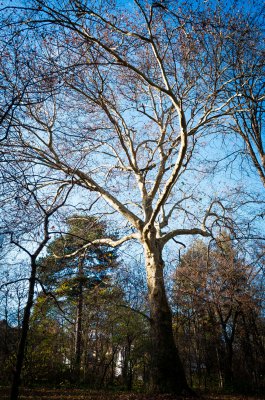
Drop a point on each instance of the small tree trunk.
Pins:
(24, 333)
(127, 365)
(167, 371)
(78, 326)
(220, 375)
(228, 366)
(229, 350)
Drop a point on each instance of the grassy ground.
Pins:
(79, 394)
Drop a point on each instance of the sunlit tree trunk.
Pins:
(167, 370)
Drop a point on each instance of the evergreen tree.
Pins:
(69, 272)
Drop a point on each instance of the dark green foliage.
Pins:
(59, 269)
(83, 331)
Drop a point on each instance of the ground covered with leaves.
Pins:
(79, 394)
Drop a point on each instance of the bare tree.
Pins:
(217, 292)
(129, 97)
(246, 89)
(27, 226)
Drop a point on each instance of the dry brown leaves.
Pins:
(78, 394)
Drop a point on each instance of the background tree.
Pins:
(27, 229)
(68, 275)
(245, 55)
(114, 339)
(13, 292)
(217, 292)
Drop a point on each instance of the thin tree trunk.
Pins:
(24, 333)
(229, 350)
(79, 321)
(228, 365)
(167, 371)
(220, 376)
(127, 367)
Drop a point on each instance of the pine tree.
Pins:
(69, 270)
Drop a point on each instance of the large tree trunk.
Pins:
(167, 371)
